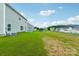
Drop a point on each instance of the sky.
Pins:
(49, 14)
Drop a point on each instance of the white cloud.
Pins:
(47, 12)
(77, 16)
(46, 24)
(37, 24)
(71, 20)
(60, 22)
(60, 7)
(41, 24)
(74, 20)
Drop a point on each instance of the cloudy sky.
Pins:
(47, 14)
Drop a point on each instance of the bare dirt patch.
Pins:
(55, 47)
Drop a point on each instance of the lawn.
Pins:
(23, 44)
(39, 44)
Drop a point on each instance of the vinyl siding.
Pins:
(11, 17)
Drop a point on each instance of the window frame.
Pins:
(9, 27)
(21, 28)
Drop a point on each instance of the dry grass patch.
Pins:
(55, 47)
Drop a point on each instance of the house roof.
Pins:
(15, 11)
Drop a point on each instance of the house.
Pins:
(30, 27)
(12, 21)
(65, 28)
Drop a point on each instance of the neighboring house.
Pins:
(12, 21)
(65, 28)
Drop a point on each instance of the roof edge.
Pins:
(15, 10)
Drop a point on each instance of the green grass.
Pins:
(31, 43)
(23, 44)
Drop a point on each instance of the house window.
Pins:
(9, 27)
(19, 18)
(21, 27)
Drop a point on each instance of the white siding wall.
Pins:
(11, 17)
(30, 28)
(2, 19)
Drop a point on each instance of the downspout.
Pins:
(4, 18)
